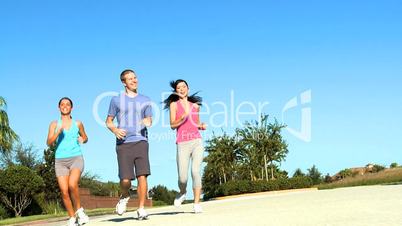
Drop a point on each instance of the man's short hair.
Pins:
(124, 73)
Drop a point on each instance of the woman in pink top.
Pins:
(184, 117)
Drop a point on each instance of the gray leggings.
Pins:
(187, 150)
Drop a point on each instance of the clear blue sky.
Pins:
(348, 53)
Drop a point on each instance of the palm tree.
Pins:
(262, 143)
(7, 135)
(222, 158)
(298, 173)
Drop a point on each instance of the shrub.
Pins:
(48, 206)
(298, 173)
(394, 165)
(211, 191)
(236, 187)
(315, 175)
(17, 186)
(161, 193)
(98, 188)
(46, 170)
(244, 186)
(282, 184)
(300, 182)
(34, 208)
(3, 213)
(52, 207)
(156, 203)
(378, 168)
(393, 176)
(345, 173)
(328, 178)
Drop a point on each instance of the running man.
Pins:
(134, 114)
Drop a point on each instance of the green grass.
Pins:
(157, 203)
(63, 215)
(19, 220)
(388, 176)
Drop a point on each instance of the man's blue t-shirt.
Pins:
(130, 111)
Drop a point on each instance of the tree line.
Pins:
(250, 160)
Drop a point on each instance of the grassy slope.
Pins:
(387, 176)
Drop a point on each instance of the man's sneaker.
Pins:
(71, 221)
(82, 217)
(179, 200)
(197, 208)
(142, 214)
(121, 206)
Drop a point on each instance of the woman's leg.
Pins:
(74, 179)
(65, 195)
(197, 195)
(183, 160)
(197, 158)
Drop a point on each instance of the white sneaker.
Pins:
(179, 200)
(71, 221)
(82, 217)
(121, 206)
(142, 214)
(197, 208)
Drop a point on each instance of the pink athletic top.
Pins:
(188, 130)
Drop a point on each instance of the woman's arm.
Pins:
(200, 126)
(175, 123)
(83, 138)
(52, 134)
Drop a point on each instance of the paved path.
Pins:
(365, 206)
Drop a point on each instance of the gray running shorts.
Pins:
(133, 156)
(65, 165)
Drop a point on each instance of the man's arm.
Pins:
(119, 133)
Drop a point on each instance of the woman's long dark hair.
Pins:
(174, 97)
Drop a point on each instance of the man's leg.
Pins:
(142, 190)
(125, 160)
(125, 186)
(142, 169)
(121, 206)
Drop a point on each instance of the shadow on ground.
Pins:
(118, 220)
